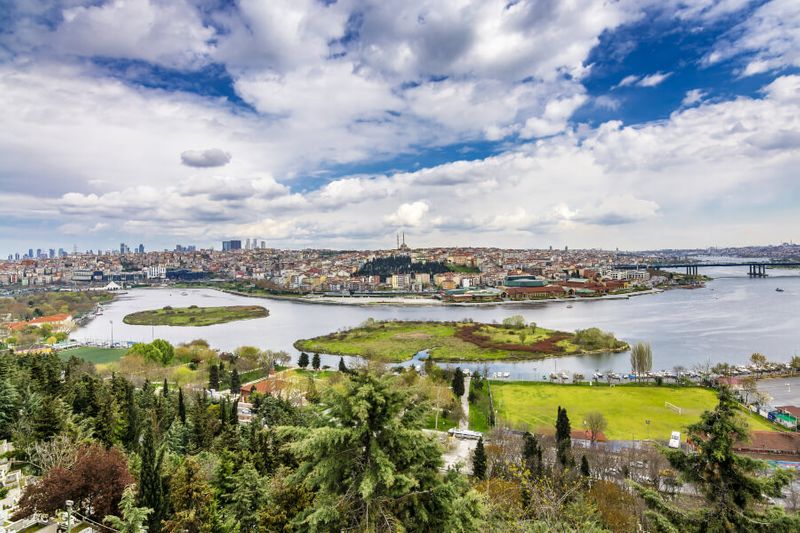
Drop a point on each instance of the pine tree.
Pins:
(564, 439)
(236, 385)
(458, 383)
(213, 377)
(248, 496)
(735, 487)
(394, 459)
(585, 467)
(479, 461)
(151, 485)
(192, 500)
(302, 361)
(181, 407)
(133, 518)
(105, 421)
(315, 361)
(342, 366)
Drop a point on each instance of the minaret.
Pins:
(404, 239)
(398, 241)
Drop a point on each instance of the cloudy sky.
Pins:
(633, 123)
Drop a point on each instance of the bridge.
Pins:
(756, 269)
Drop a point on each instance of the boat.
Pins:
(778, 290)
(569, 306)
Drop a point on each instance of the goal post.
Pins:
(674, 407)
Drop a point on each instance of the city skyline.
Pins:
(630, 125)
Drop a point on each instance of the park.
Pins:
(397, 341)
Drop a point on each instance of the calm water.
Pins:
(728, 320)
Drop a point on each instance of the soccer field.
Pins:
(93, 354)
(625, 407)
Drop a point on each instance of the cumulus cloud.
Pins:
(410, 214)
(621, 209)
(212, 157)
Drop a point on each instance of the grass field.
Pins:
(397, 341)
(195, 316)
(94, 355)
(625, 407)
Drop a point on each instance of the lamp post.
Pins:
(647, 423)
(69, 516)
(112, 332)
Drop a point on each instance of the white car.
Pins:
(675, 440)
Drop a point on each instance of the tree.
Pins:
(236, 384)
(735, 487)
(192, 500)
(151, 486)
(516, 321)
(131, 437)
(247, 497)
(369, 464)
(315, 361)
(564, 439)
(342, 366)
(458, 383)
(133, 517)
(165, 389)
(479, 461)
(166, 349)
(596, 423)
(759, 360)
(641, 358)
(302, 361)
(213, 377)
(532, 453)
(795, 363)
(585, 466)
(181, 407)
(95, 482)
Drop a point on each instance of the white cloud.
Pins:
(411, 214)
(652, 80)
(628, 80)
(768, 39)
(692, 97)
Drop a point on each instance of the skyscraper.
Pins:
(231, 245)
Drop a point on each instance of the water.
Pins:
(728, 320)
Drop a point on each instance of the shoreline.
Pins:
(399, 301)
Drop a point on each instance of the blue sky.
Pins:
(337, 124)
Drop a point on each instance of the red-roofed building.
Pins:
(61, 322)
(772, 443)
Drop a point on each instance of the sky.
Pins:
(630, 124)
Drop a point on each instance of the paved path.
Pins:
(464, 422)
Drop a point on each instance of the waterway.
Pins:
(729, 319)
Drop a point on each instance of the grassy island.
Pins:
(397, 341)
(194, 315)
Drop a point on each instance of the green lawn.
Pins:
(479, 408)
(93, 354)
(195, 316)
(625, 407)
(396, 341)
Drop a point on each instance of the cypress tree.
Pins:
(315, 361)
(234, 416)
(585, 467)
(342, 366)
(532, 453)
(564, 439)
(235, 383)
(165, 389)
(181, 407)
(131, 439)
(213, 377)
(302, 361)
(458, 383)
(151, 486)
(479, 461)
